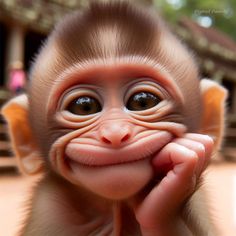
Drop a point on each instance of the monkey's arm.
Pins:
(182, 162)
(196, 214)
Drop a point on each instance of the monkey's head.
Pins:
(108, 90)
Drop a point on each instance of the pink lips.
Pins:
(91, 155)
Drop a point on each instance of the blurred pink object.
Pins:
(17, 80)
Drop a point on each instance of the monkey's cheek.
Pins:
(114, 182)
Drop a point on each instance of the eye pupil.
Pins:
(84, 106)
(87, 108)
(142, 101)
(143, 104)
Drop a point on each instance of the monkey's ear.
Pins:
(15, 112)
(214, 97)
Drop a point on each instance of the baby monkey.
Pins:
(121, 126)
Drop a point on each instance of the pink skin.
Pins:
(116, 153)
(118, 174)
(115, 145)
(188, 157)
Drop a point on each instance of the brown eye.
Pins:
(142, 101)
(84, 106)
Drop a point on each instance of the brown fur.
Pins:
(112, 30)
(104, 34)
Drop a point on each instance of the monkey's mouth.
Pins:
(71, 162)
(96, 156)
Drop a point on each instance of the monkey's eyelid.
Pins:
(84, 105)
(142, 101)
(147, 85)
(70, 95)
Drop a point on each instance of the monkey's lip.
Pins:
(96, 156)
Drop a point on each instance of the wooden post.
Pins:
(234, 99)
(15, 49)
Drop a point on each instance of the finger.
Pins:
(176, 155)
(198, 148)
(206, 140)
(166, 159)
(165, 199)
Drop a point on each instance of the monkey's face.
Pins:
(111, 121)
(120, 88)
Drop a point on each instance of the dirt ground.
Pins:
(15, 190)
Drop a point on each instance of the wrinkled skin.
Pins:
(138, 160)
(121, 127)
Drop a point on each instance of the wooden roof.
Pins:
(38, 15)
(216, 51)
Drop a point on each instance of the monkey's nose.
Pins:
(115, 133)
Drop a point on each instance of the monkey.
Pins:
(118, 122)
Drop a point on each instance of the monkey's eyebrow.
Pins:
(83, 72)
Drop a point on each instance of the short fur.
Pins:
(103, 34)
(112, 31)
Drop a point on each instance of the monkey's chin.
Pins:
(115, 182)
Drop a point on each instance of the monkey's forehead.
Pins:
(106, 29)
(114, 29)
(111, 30)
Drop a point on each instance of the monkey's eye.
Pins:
(84, 106)
(142, 101)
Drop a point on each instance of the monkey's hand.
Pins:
(181, 162)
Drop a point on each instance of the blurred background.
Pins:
(208, 27)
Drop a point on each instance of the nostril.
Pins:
(105, 140)
(125, 138)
